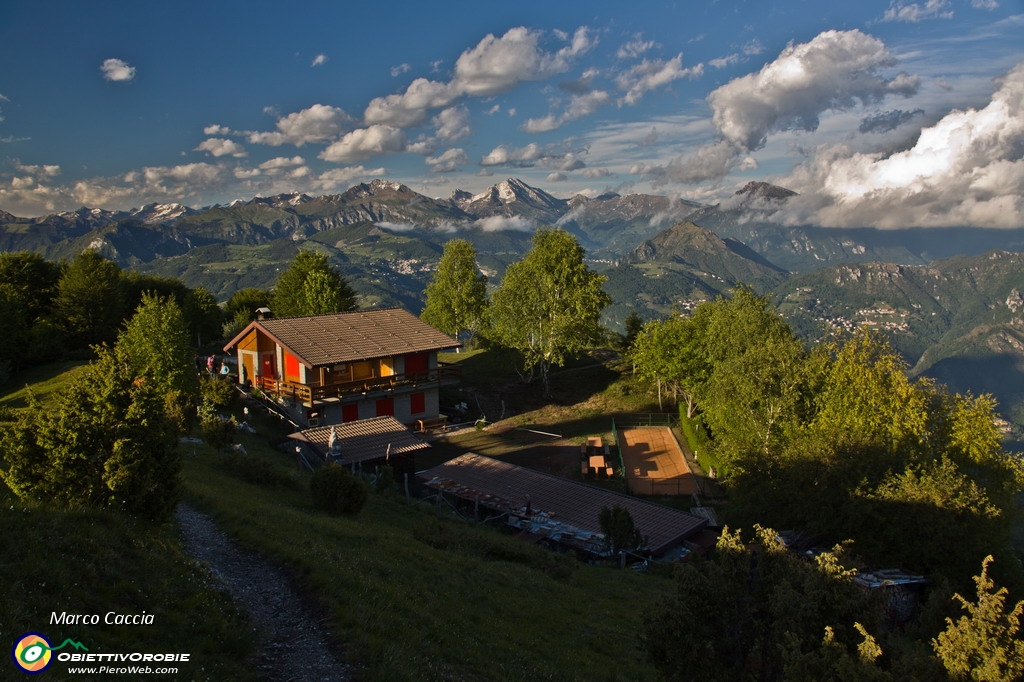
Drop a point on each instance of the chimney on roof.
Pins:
(263, 313)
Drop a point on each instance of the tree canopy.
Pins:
(456, 298)
(839, 427)
(311, 286)
(91, 300)
(112, 440)
(549, 304)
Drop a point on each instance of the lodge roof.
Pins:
(363, 440)
(348, 337)
(499, 484)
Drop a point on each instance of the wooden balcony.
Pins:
(310, 394)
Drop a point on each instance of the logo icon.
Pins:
(32, 653)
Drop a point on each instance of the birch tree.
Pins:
(549, 304)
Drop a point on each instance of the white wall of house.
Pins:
(332, 413)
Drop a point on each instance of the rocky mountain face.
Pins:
(514, 198)
(611, 224)
(608, 226)
(958, 319)
(746, 217)
(681, 266)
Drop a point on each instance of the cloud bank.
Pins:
(834, 71)
(966, 169)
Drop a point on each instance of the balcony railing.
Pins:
(310, 393)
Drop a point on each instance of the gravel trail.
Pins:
(292, 643)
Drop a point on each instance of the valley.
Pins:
(949, 298)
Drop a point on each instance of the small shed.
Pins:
(363, 444)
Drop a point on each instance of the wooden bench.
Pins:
(440, 422)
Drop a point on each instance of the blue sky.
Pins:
(886, 114)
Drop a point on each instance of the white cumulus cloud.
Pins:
(318, 123)
(410, 108)
(219, 146)
(447, 162)
(965, 170)
(117, 70)
(651, 74)
(364, 143)
(579, 106)
(452, 123)
(834, 71)
(497, 65)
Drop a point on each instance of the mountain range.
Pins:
(950, 298)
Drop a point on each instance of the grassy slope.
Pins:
(43, 382)
(410, 594)
(416, 596)
(91, 562)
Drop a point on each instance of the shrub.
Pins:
(216, 393)
(336, 491)
(218, 433)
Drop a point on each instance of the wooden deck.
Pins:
(654, 463)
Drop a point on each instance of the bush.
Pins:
(216, 393)
(336, 491)
(218, 433)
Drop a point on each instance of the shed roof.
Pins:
(364, 440)
(349, 337)
(572, 502)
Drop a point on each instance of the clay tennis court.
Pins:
(654, 462)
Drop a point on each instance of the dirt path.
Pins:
(292, 643)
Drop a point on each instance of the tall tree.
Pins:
(752, 402)
(670, 352)
(866, 393)
(241, 308)
(16, 326)
(327, 293)
(619, 529)
(457, 296)
(202, 315)
(91, 300)
(155, 344)
(33, 281)
(549, 304)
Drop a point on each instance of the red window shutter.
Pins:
(291, 366)
(386, 407)
(349, 413)
(418, 403)
(416, 364)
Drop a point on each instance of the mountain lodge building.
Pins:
(332, 369)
